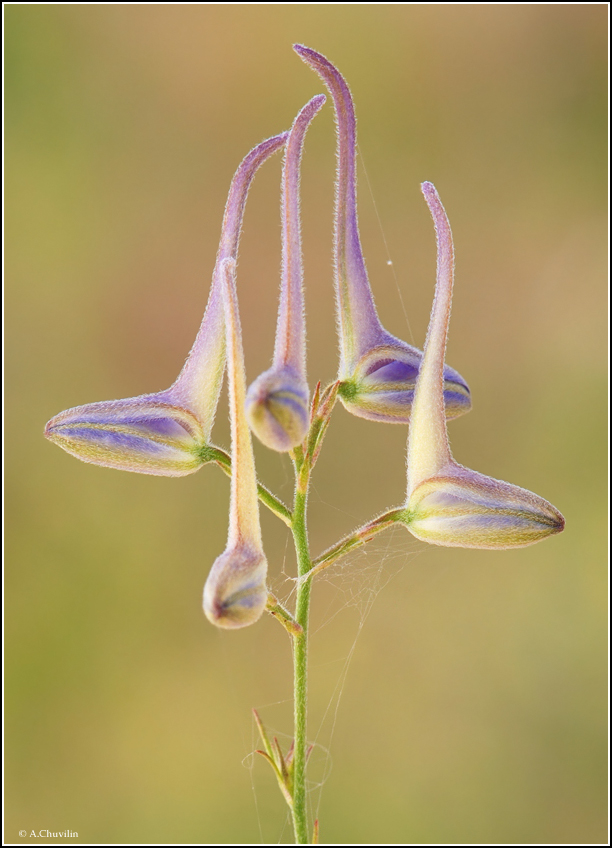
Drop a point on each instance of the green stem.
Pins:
(356, 539)
(300, 656)
(275, 505)
(279, 612)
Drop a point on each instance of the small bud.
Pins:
(277, 408)
(377, 371)
(277, 402)
(235, 594)
(447, 504)
(143, 434)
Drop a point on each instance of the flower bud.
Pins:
(235, 593)
(145, 434)
(465, 509)
(377, 371)
(277, 408)
(277, 402)
(447, 504)
(168, 433)
(383, 383)
(199, 384)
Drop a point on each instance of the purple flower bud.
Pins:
(277, 407)
(465, 509)
(278, 401)
(447, 504)
(142, 434)
(377, 371)
(235, 593)
(383, 383)
(168, 433)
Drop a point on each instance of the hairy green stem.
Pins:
(282, 615)
(224, 461)
(356, 539)
(300, 655)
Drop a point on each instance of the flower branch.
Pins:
(274, 504)
(357, 539)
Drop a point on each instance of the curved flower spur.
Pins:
(377, 371)
(277, 402)
(168, 433)
(235, 593)
(446, 503)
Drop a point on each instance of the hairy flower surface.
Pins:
(147, 434)
(447, 504)
(277, 401)
(378, 371)
(168, 433)
(235, 592)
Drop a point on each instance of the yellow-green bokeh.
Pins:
(474, 706)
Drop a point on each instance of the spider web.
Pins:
(343, 598)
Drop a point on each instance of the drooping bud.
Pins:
(277, 408)
(277, 401)
(447, 504)
(377, 371)
(235, 593)
(168, 433)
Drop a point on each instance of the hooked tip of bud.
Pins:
(383, 383)
(278, 409)
(235, 593)
(146, 434)
(464, 509)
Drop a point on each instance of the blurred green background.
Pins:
(474, 705)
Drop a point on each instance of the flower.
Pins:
(377, 371)
(235, 592)
(168, 433)
(277, 401)
(447, 504)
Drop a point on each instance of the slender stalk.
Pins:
(355, 539)
(282, 615)
(224, 461)
(300, 653)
